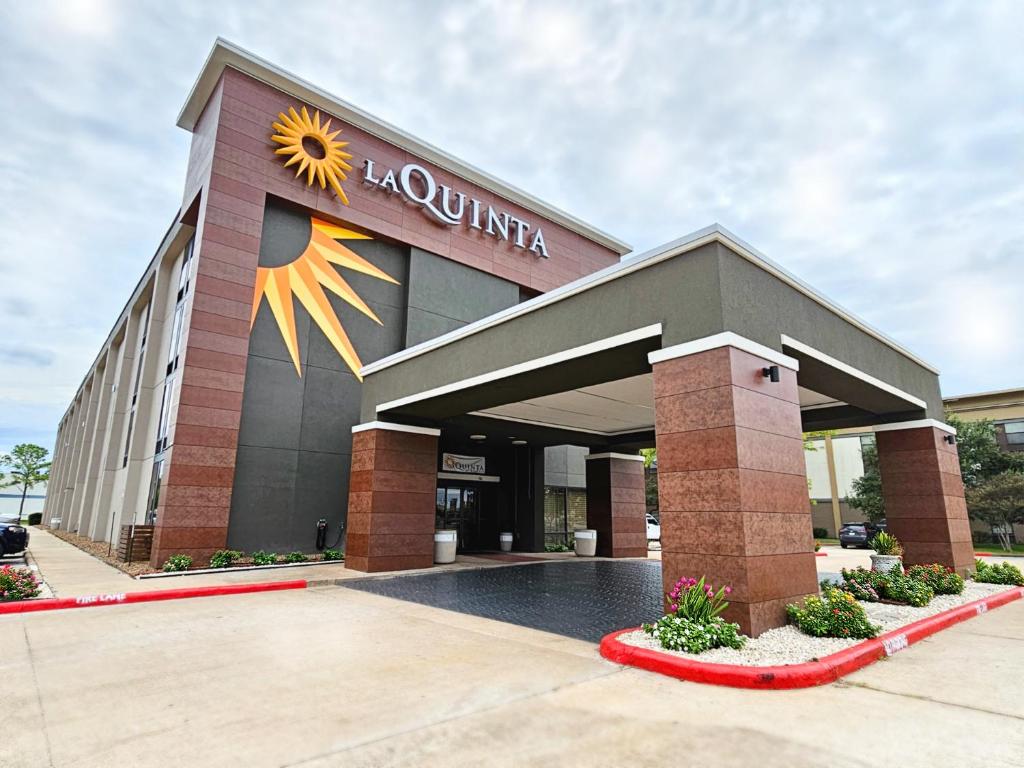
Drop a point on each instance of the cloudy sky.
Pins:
(876, 150)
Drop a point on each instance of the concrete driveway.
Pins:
(338, 677)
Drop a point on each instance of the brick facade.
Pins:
(732, 483)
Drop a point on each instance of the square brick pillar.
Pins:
(924, 495)
(392, 498)
(616, 505)
(732, 481)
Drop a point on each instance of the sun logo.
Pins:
(313, 147)
(305, 278)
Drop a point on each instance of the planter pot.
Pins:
(505, 540)
(585, 543)
(885, 563)
(445, 544)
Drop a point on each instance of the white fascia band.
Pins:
(392, 427)
(917, 424)
(626, 456)
(593, 347)
(839, 365)
(724, 339)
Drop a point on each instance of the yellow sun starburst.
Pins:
(313, 147)
(305, 278)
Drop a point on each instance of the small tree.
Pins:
(29, 468)
(980, 455)
(867, 489)
(999, 501)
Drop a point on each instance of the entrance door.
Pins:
(458, 508)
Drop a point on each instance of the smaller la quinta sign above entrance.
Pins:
(452, 462)
(417, 185)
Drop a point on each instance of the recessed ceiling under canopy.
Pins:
(615, 407)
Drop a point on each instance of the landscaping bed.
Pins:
(101, 550)
(788, 645)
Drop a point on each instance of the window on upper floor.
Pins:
(1014, 431)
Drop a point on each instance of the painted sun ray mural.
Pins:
(305, 279)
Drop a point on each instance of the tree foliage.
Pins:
(28, 468)
(999, 501)
(867, 489)
(980, 455)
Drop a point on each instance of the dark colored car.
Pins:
(13, 537)
(859, 534)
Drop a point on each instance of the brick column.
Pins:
(616, 506)
(392, 498)
(924, 494)
(732, 482)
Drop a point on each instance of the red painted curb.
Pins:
(821, 554)
(93, 601)
(811, 673)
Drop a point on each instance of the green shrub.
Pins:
(864, 584)
(820, 533)
(903, 589)
(693, 624)
(1001, 573)
(837, 614)
(177, 563)
(677, 633)
(35, 518)
(224, 558)
(556, 548)
(295, 557)
(17, 584)
(873, 586)
(886, 544)
(264, 558)
(333, 554)
(941, 579)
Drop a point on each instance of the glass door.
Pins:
(458, 508)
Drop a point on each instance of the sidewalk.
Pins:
(70, 572)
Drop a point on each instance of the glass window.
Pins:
(172, 350)
(165, 415)
(154, 491)
(555, 531)
(186, 270)
(1014, 431)
(128, 438)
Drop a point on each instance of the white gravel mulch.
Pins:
(788, 645)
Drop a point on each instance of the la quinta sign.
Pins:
(438, 201)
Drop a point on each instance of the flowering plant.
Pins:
(17, 584)
(837, 614)
(942, 579)
(693, 624)
(694, 599)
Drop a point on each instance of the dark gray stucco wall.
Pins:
(684, 289)
(761, 307)
(445, 295)
(295, 437)
(693, 295)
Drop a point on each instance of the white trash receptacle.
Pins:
(55, 522)
(445, 544)
(505, 540)
(585, 542)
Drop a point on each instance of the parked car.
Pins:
(653, 528)
(859, 534)
(13, 537)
